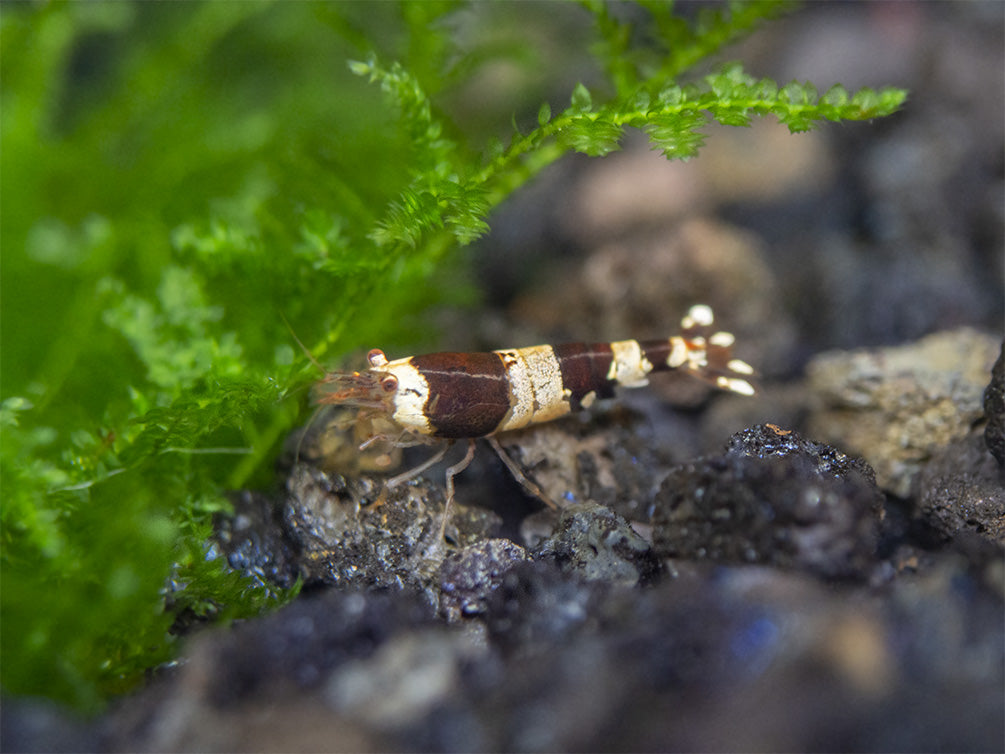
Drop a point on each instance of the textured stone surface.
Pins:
(468, 576)
(732, 658)
(356, 533)
(994, 409)
(596, 544)
(772, 497)
(963, 488)
(895, 406)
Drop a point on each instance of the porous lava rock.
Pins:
(772, 497)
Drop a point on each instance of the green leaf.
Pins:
(677, 137)
(795, 93)
(544, 114)
(581, 100)
(836, 96)
(641, 102)
(594, 137)
(670, 97)
(890, 100)
(730, 116)
(361, 68)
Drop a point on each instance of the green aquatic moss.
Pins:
(179, 178)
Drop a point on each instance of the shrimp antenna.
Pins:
(303, 348)
(317, 411)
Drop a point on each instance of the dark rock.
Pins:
(469, 575)
(597, 544)
(260, 686)
(253, 540)
(792, 664)
(357, 533)
(611, 458)
(775, 498)
(770, 441)
(537, 604)
(38, 725)
(304, 642)
(994, 409)
(398, 691)
(720, 658)
(963, 488)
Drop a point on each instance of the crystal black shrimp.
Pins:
(465, 396)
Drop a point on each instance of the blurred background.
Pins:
(176, 179)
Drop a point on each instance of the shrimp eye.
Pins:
(389, 383)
